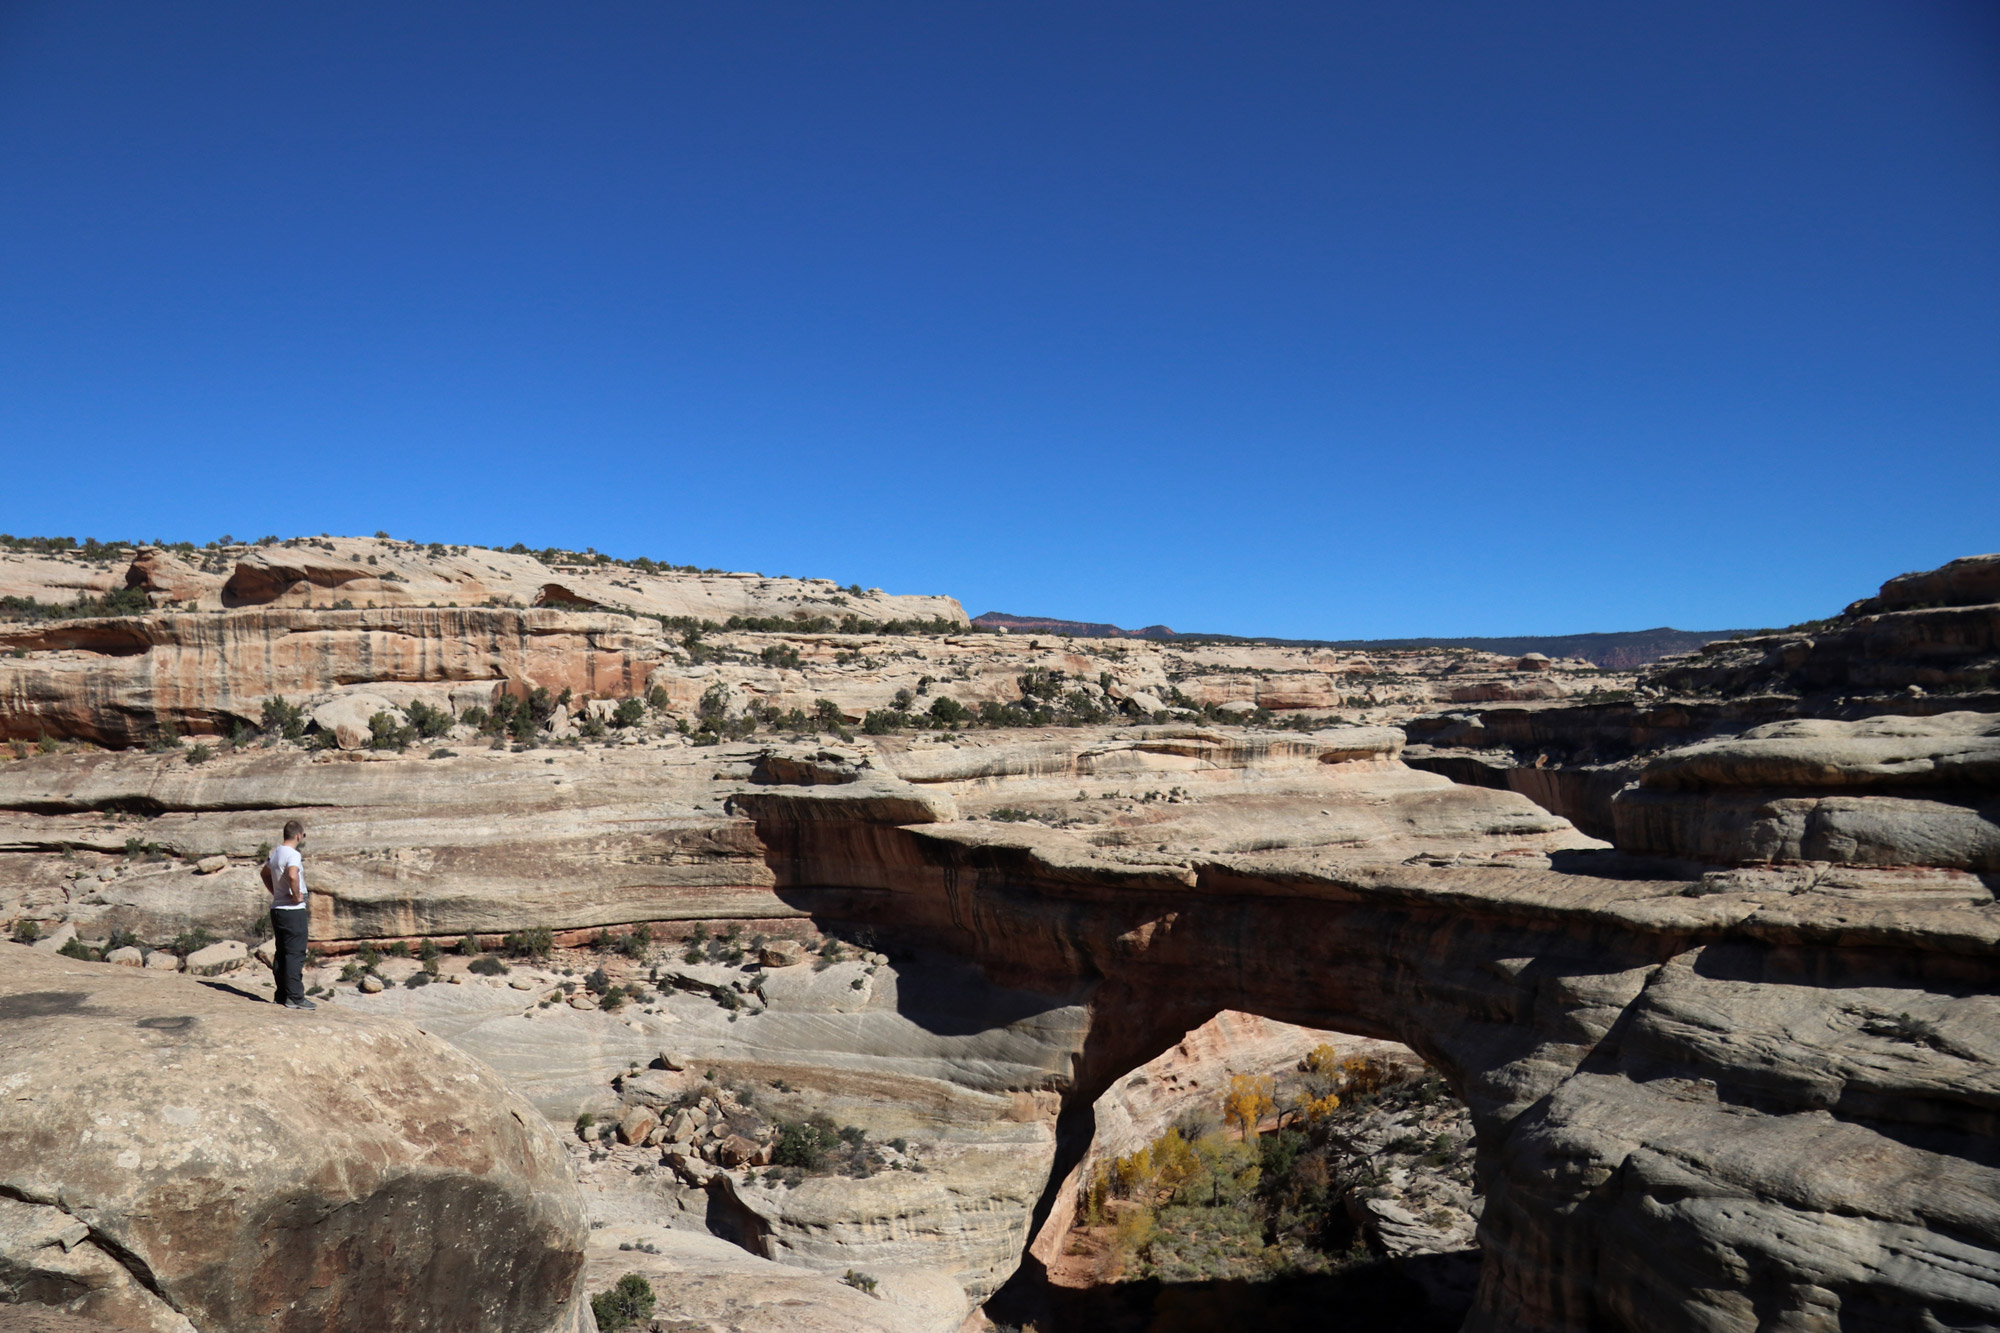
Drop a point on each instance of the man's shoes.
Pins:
(300, 1004)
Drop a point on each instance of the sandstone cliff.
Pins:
(1728, 1074)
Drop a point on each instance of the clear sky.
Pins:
(1322, 319)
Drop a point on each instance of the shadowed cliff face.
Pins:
(1743, 1103)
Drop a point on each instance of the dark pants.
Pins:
(288, 928)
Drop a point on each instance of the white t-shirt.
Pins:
(283, 857)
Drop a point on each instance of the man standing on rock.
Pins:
(285, 876)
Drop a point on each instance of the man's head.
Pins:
(294, 832)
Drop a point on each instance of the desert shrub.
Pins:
(826, 714)
(625, 1305)
(597, 983)
(948, 711)
(188, 941)
(1007, 814)
(539, 942)
(883, 721)
(469, 946)
(74, 948)
(636, 942)
(428, 722)
(859, 1281)
(805, 1144)
(628, 713)
(658, 699)
(27, 931)
(476, 717)
(386, 733)
(780, 655)
(120, 602)
(488, 966)
(417, 979)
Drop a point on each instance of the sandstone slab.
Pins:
(253, 1168)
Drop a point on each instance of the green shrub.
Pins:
(628, 713)
(590, 728)
(859, 1281)
(188, 941)
(284, 719)
(658, 699)
(488, 966)
(806, 1143)
(200, 754)
(948, 711)
(386, 733)
(74, 948)
(883, 721)
(27, 931)
(469, 946)
(826, 713)
(428, 722)
(625, 1305)
(539, 942)
(476, 717)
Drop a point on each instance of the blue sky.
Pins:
(1324, 320)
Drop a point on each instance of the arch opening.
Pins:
(1256, 1172)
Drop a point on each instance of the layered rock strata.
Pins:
(1748, 1102)
(344, 628)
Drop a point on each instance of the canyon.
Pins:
(1706, 950)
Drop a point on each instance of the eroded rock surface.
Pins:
(178, 1157)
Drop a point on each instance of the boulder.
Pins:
(159, 960)
(208, 865)
(347, 717)
(782, 953)
(214, 959)
(673, 1060)
(582, 1000)
(1145, 702)
(251, 1169)
(637, 1124)
(683, 1128)
(735, 1150)
(126, 955)
(53, 941)
(266, 953)
(370, 984)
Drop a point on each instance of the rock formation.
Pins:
(345, 628)
(175, 1157)
(1730, 1073)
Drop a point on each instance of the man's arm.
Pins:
(264, 873)
(293, 893)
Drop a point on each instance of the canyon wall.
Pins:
(1728, 1040)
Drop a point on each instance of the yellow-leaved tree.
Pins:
(1249, 1098)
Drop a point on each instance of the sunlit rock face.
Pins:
(176, 1157)
(1733, 1073)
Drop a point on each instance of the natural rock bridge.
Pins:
(1746, 1098)
(1760, 1100)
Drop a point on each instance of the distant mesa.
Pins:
(1620, 650)
(1082, 629)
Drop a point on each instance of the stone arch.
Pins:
(1664, 1138)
